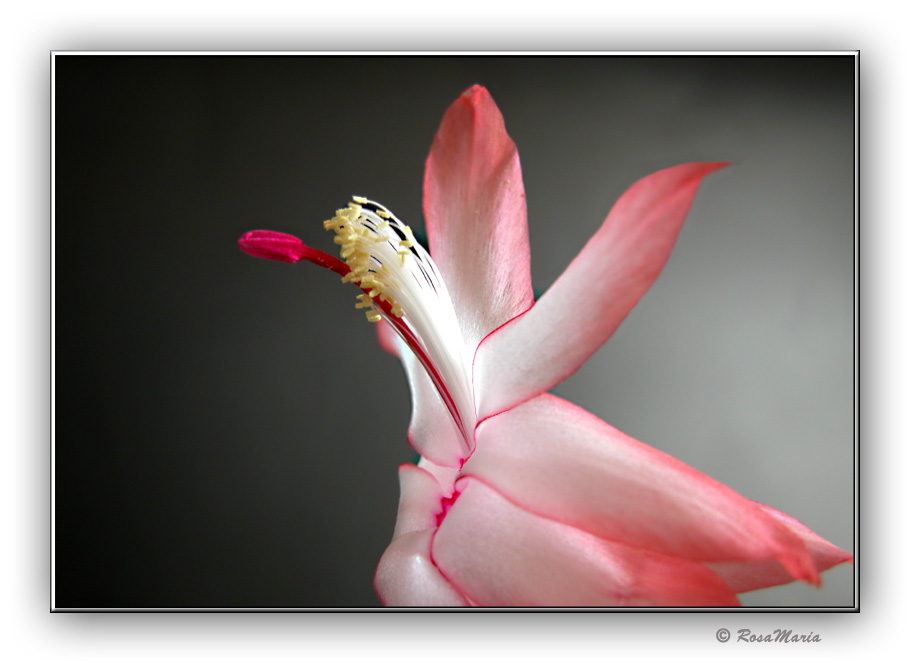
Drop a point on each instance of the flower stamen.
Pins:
(401, 283)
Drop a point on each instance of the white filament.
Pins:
(392, 266)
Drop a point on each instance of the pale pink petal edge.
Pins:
(535, 351)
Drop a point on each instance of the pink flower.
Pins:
(521, 498)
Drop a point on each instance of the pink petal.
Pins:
(498, 554)
(474, 205)
(747, 576)
(420, 502)
(388, 338)
(557, 460)
(407, 576)
(446, 476)
(592, 297)
(431, 433)
(287, 248)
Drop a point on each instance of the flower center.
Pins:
(402, 285)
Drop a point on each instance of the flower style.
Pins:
(521, 498)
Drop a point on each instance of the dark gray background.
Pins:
(227, 430)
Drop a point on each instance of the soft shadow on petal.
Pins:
(747, 576)
(446, 476)
(388, 338)
(555, 459)
(420, 501)
(574, 317)
(474, 204)
(406, 575)
(498, 554)
(431, 433)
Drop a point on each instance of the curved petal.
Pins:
(407, 576)
(474, 205)
(748, 576)
(499, 554)
(388, 338)
(574, 317)
(431, 433)
(557, 460)
(420, 503)
(446, 476)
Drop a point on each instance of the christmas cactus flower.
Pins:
(521, 498)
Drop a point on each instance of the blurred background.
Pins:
(228, 431)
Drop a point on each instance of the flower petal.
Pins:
(499, 554)
(557, 460)
(747, 576)
(432, 432)
(592, 297)
(445, 476)
(474, 205)
(407, 576)
(420, 503)
(388, 338)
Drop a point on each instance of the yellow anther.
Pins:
(358, 238)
